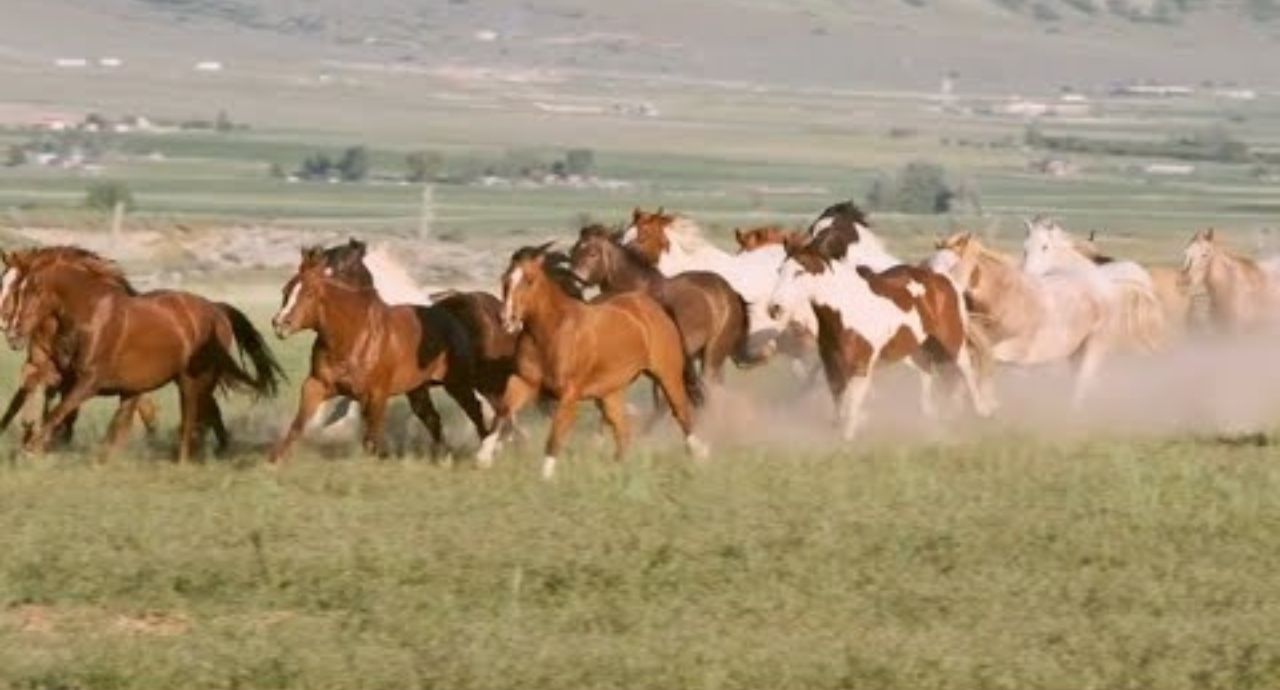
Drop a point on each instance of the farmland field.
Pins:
(1132, 544)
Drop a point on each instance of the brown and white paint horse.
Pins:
(867, 319)
(1244, 294)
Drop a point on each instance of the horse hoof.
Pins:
(697, 447)
(548, 468)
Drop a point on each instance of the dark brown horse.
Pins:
(369, 351)
(128, 344)
(46, 373)
(592, 351)
(712, 317)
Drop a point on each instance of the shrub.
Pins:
(354, 164)
(424, 165)
(581, 162)
(105, 194)
(919, 187)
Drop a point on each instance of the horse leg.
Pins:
(850, 401)
(118, 429)
(469, 401)
(374, 409)
(425, 411)
(70, 403)
(516, 396)
(189, 407)
(314, 393)
(211, 416)
(561, 422)
(983, 405)
(149, 415)
(613, 408)
(1088, 361)
(925, 370)
(670, 377)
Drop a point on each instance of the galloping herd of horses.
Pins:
(672, 307)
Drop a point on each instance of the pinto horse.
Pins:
(842, 232)
(1244, 294)
(867, 318)
(370, 351)
(48, 364)
(712, 317)
(593, 351)
(128, 344)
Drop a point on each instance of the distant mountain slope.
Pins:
(992, 44)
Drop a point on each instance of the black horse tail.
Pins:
(268, 374)
(693, 387)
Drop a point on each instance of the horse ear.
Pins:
(312, 255)
(793, 243)
(1208, 235)
(636, 214)
(6, 257)
(358, 246)
(543, 248)
(740, 237)
(1092, 234)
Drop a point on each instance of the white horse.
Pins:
(1031, 319)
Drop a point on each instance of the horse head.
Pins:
(647, 234)
(1196, 257)
(303, 293)
(589, 256)
(749, 240)
(524, 283)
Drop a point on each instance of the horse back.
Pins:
(932, 295)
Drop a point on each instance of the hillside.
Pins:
(992, 44)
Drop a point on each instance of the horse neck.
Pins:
(78, 293)
(1003, 285)
(345, 314)
(627, 272)
(869, 251)
(547, 310)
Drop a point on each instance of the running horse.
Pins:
(128, 344)
(370, 351)
(755, 238)
(1170, 287)
(1244, 294)
(711, 316)
(48, 365)
(869, 318)
(578, 351)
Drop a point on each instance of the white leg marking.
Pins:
(697, 447)
(488, 448)
(548, 467)
(851, 416)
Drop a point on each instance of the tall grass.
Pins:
(1005, 564)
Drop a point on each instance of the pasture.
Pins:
(1140, 553)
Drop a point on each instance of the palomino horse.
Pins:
(1030, 319)
(712, 317)
(1244, 294)
(48, 365)
(593, 351)
(370, 351)
(1139, 316)
(866, 318)
(1167, 282)
(128, 344)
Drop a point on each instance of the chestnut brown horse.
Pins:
(764, 236)
(711, 316)
(46, 372)
(593, 351)
(369, 351)
(128, 344)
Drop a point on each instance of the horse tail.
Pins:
(742, 350)
(267, 373)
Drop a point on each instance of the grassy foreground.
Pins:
(1004, 564)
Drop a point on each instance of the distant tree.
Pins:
(920, 187)
(581, 162)
(317, 166)
(560, 169)
(105, 194)
(354, 164)
(424, 165)
(276, 171)
(223, 123)
(14, 156)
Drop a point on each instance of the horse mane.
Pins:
(849, 210)
(93, 263)
(685, 233)
(347, 262)
(556, 266)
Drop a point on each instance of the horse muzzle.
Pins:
(283, 330)
(512, 324)
(17, 340)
